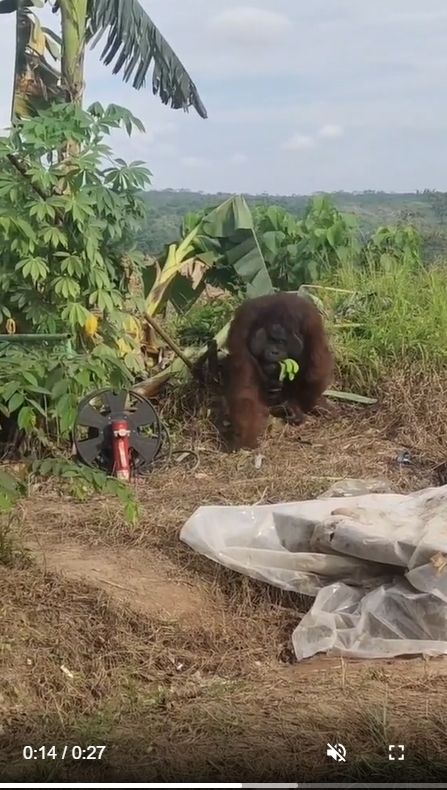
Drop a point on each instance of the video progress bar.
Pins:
(343, 785)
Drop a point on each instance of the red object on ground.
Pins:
(120, 440)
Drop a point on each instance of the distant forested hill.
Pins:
(427, 210)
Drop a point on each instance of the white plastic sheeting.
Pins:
(376, 565)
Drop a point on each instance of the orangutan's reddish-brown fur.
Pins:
(246, 396)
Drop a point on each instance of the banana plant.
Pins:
(179, 260)
(133, 44)
(219, 247)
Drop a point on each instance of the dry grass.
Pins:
(214, 696)
(169, 702)
(416, 406)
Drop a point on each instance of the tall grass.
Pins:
(395, 320)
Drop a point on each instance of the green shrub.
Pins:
(67, 223)
(300, 251)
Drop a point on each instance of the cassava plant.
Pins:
(65, 227)
(66, 231)
(41, 388)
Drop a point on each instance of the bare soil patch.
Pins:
(136, 577)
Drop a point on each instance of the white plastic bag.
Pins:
(375, 563)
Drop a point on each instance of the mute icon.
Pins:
(337, 752)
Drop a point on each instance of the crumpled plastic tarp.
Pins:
(375, 563)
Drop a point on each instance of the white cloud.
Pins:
(299, 142)
(302, 142)
(251, 26)
(193, 161)
(238, 159)
(330, 131)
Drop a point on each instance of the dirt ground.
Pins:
(121, 636)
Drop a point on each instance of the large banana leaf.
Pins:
(134, 43)
(232, 224)
(220, 247)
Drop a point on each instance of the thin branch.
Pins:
(171, 343)
(23, 172)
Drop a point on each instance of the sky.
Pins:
(321, 95)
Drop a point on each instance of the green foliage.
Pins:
(252, 255)
(301, 251)
(391, 245)
(134, 42)
(11, 490)
(66, 225)
(202, 322)
(322, 246)
(42, 390)
(227, 243)
(85, 482)
(223, 242)
(424, 210)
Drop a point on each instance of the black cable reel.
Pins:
(111, 425)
